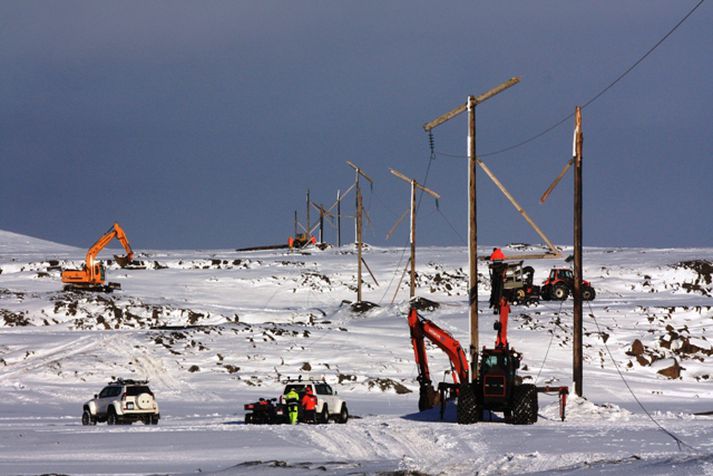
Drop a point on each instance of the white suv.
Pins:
(122, 401)
(329, 405)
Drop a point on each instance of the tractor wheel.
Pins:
(524, 405)
(249, 419)
(588, 294)
(546, 293)
(468, 410)
(520, 295)
(560, 292)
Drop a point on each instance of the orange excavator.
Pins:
(93, 275)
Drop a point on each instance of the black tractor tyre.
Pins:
(524, 405)
(546, 293)
(520, 295)
(154, 419)
(88, 419)
(560, 292)
(323, 416)
(468, 411)
(248, 419)
(588, 293)
(343, 414)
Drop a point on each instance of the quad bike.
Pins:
(265, 412)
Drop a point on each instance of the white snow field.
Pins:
(215, 329)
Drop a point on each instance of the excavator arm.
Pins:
(114, 232)
(421, 329)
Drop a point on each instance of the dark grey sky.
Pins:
(201, 124)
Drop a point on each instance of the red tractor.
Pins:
(497, 386)
(560, 284)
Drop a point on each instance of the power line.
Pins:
(678, 440)
(590, 101)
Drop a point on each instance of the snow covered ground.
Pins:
(213, 329)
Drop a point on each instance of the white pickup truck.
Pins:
(329, 405)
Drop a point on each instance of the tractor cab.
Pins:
(498, 374)
(561, 274)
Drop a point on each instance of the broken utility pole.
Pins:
(412, 235)
(470, 104)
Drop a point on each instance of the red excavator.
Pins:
(92, 276)
(497, 387)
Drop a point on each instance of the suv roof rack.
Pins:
(304, 380)
(128, 381)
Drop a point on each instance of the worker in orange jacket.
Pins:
(309, 405)
(497, 255)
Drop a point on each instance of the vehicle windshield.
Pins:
(299, 388)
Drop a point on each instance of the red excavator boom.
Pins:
(421, 329)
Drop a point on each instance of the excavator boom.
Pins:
(421, 329)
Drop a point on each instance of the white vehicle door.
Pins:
(325, 393)
(106, 397)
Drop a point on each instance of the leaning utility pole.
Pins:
(412, 234)
(577, 314)
(469, 105)
(359, 208)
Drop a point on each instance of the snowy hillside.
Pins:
(212, 330)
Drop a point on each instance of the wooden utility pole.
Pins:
(359, 209)
(470, 104)
(358, 239)
(322, 212)
(295, 224)
(577, 313)
(412, 236)
(339, 219)
(309, 223)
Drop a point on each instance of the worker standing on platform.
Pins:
(497, 255)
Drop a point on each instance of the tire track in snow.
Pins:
(38, 361)
(413, 445)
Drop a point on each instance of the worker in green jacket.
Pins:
(292, 399)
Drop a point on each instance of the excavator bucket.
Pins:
(124, 262)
